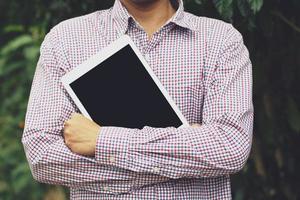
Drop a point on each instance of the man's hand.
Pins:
(81, 134)
(195, 125)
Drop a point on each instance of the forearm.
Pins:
(50, 160)
(219, 147)
(206, 151)
(53, 163)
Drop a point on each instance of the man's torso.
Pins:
(182, 54)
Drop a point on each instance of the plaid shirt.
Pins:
(204, 65)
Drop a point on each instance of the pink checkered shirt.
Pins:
(204, 65)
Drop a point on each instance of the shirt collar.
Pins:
(121, 16)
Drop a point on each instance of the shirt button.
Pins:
(156, 170)
(147, 57)
(112, 159)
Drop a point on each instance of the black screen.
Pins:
(120, 92)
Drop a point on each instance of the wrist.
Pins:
(95, 141)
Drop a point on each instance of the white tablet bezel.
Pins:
(101, 56)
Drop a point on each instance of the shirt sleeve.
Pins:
(50, 160)
(219, 147)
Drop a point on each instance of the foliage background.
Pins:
(271, 30)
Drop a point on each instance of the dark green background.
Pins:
(271, 30)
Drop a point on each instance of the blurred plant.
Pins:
(17, 60)
(272, 34)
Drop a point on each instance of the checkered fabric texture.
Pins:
(204, 65)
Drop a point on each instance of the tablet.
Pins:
(116, 87)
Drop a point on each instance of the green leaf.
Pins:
(15, 44)
(13, 28)
(21, 182)
(225, 8)
(11, 67)
(31, 53)
(255, 5)
(199, 2)
(3, 186)
(244, 7)
(2, 64)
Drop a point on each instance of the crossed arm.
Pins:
(85, 155)
(80, 134)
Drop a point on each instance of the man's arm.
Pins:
(219, 147)
(50, 160)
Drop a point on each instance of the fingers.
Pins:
(73, 116)
(65, 129)
(196, 125)
(66, 123)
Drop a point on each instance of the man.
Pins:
(204, 66)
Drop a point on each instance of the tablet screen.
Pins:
(120, 92)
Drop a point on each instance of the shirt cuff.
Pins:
(112, 145)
